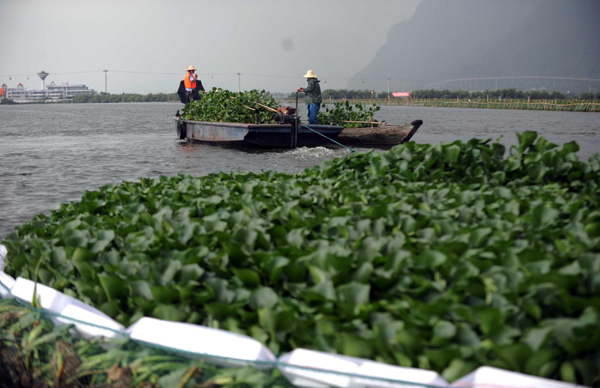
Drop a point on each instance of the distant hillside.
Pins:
(457, 39)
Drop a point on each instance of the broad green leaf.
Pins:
(567, 373)
(543, 216)
(536, 172)
(432, 259)
(248, 277)
(113, 287)
(169, 313)
(451, 154)
(490, 320)
(352, 296)
(535, 338)
(443, 332)
(263, 297)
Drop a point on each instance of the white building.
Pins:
(66, 91)
(54, 93)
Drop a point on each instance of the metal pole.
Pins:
(388, 90)
(105, 81)
(239, 82)
(294, 134)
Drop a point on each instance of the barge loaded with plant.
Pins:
(254, 119)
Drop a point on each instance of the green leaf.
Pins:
(490, 320)
(352, 296)
(169, 273)
(537, 337)
(322, 291)
(113, 287)
(457, 369)
(263, 297)
(142, 288)
(536, 172)
(190, 272)
(173, 378)
(543, 216)
(248, 277)
(169, 313)
(526, 139)
(567, 373)
(443, 332)
(432, 259)
(515, 355)
(451, 154)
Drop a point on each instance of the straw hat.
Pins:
(310, 74)
(191, 68)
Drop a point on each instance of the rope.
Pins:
(5, 286)
(348, 148)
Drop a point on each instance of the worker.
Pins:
(313, 97)
(190, 79)
(190, 87)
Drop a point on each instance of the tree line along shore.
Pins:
(489, 99)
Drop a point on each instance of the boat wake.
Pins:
(311, 152)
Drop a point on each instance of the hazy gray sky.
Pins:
(278, 38)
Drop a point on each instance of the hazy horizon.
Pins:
(148, 45)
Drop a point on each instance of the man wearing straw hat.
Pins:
(313, 97)
(190, 82)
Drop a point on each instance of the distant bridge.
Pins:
(506, 81)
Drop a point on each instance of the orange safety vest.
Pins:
(190, 80)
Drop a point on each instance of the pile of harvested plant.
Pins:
(35, 354)
(348, 115)
(257, 106)
(444, 257)
(222, 105)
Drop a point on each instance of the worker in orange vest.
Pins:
(190, 79)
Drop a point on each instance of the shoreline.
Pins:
(544, 105)
(548, 105)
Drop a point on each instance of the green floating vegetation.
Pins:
(223, 105)
(34, 353)
(444, 257)
(256, 106)
(348, 115)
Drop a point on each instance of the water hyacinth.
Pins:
(348, 115)
(444, 257)
(34, 353)
(226, 106)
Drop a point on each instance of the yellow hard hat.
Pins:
(310, 74)
(191, 68)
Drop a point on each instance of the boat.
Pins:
(257, 135)
(386, 135)
(285, 136)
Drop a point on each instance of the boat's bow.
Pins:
(385, 135)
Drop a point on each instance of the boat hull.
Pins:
(258, 135)
(384, 136)
(279, 135)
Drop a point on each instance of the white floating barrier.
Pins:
(3, 253)
(89, 322)
(310, 378)
(229, 349)
(488, 377)
(323, 364)
(7, 284)
(394, 374)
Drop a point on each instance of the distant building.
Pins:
(66, 91)
(54, 93)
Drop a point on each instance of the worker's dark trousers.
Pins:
(190, 95)
(313, 111)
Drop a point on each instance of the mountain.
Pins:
(459, 39)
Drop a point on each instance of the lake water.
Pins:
(51, 154)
